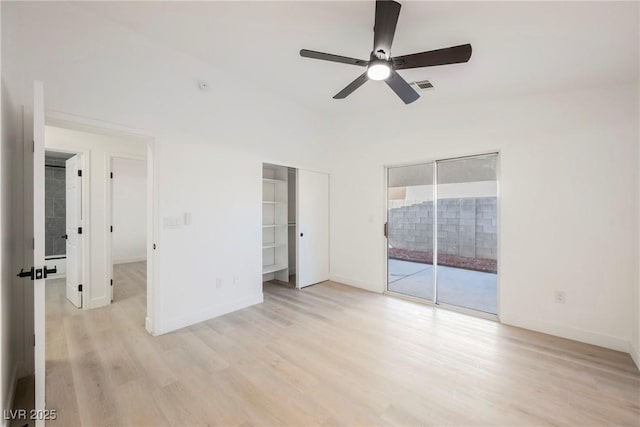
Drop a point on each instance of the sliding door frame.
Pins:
(385, 242)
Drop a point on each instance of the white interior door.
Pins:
(313, 228)
(38, 249)
(73, 224)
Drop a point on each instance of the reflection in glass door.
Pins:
(462, 271)
(410, 230)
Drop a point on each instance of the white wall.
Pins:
(568, 194)
(208, 146)
(7, 353)
(97, 151)
(129, 186)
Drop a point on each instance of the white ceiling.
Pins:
(518, 47)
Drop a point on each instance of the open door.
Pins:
(34, 230)
(74, 230)
(313, 228)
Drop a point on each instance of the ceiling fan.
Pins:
(381, 66)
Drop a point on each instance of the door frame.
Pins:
(385, 269)
(85, 166)
(75, 122)
(109, 205)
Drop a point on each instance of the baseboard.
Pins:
(183, 321)
(129, 259)
(13, 384)
(148, 325)
(355, 283)
(588, 337)
(635, 354)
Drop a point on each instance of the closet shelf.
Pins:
(273, 225)
(270, 202)
(273, 181)
(273, 245)
(272, 268)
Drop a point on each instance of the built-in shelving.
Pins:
(274, 181)
(275, 233)
(266, 269)
(272, 245)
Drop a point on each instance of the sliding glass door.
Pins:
(410, 230)
(447, 255)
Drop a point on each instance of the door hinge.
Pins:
(111, 228)
(33, 146)
(111, 175)
(154, 246)
(79, 230)
(34, 340)
(111, 282)
(80, 287)
(33, 243)
(79, 172)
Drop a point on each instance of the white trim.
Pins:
(575, 334)
(635, 354)
(355, 283)
(129, 259)
(192, 318)
(148, 325)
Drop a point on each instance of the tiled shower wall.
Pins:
(55, 206)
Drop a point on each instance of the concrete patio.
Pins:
(465, 288)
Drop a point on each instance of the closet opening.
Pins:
(295, 226)
(279, 225)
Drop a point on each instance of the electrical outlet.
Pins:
(560, 297)
(219, 282)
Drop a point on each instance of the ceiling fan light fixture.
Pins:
(379, 70)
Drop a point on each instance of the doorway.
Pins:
(64, 222)
(128, 229)
(442, 232)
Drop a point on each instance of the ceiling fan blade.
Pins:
(387, 13)
(402, 88)
(333, 58)
(352, 86)
(448, 55)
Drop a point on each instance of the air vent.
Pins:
(422, 85)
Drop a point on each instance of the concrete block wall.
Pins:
(466, 227)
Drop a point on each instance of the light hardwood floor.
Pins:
(327, 355)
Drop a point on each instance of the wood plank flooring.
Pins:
(327, 355)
